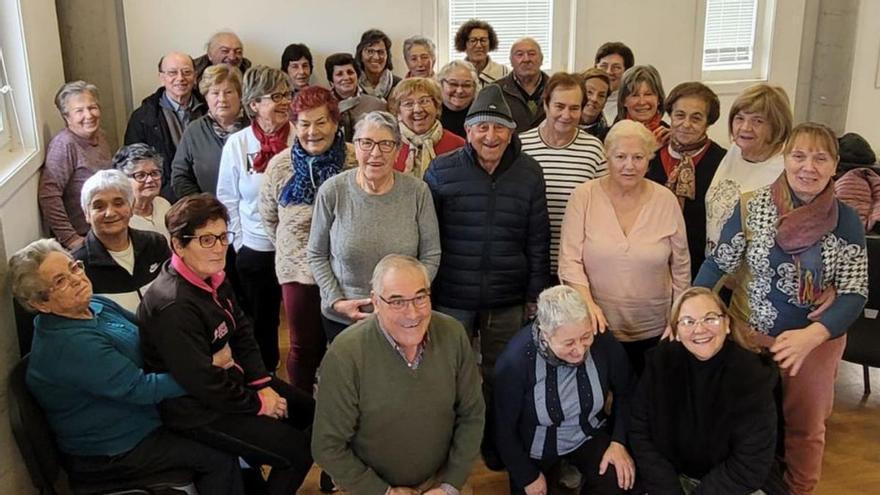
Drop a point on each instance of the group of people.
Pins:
(579, 227)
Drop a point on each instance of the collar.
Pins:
(98, 255)
(420, 350)
(52, 322)
(211, 284)
(538, 89)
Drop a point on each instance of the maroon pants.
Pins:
(302, 307)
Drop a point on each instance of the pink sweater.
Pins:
(633, 277)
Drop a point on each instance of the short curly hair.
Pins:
(464, 32)
(314, 97)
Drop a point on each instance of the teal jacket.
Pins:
(88, 377)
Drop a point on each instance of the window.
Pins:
(511, 19)
(736, 39)
(6, 105)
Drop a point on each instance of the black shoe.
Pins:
(326, 483)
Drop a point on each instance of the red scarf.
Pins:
(270, 144)
(651, 124)
(681, 176)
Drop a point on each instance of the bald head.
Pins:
(225, 48)
(177, 75)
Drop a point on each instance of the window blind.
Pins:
(729, 42)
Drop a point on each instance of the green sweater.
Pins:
(380, 424)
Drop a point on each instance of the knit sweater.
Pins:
(288, 226)
(352, 231)
(70, 160)
(453, 120)
(88, 377)
(379, 423)
(238, 188)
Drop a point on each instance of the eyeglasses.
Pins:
(143, 176)
(418, 302)
(385, 146)
(373, 52)
(478, 41)
(279, 97)
(459, 85)
(208, 241)
(711, 321)
(424, 102)
(63, 280)
(178, 72)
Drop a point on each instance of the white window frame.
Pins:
(6, 123)
(764, 22)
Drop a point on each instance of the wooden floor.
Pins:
(852, 453)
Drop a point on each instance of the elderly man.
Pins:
(614, 58)
(524, 86)
(494, 229)
(223, 48)
(399, 409)
(420, 54)
(163, 116)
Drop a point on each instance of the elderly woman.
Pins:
(641, 99)
(568, 155)
(197, 160)
(688, 163)
(416, 101)
(624, 246)
(374, 61)
(360, 216)
(597, 85)
(189, 314)
(794, 239)
(296, 61)
(558, 364)
(245, 157)
(143, 166)
(759, 123)
(120, 261)
(458, 84)
(704, 414)
(420, 54)
(476, 39)
(73, 155)
(286, 200)
(85, 369)
(343, 73)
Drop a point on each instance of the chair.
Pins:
(863, 337)
(41, 457)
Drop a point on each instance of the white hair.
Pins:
(105, 180)
(395, 262)
(560, 305)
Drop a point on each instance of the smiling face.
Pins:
(418, 111)
(178, 76)
(420, 62)
(613, 65)
(345, 80)
(564, 109)
(82, 115)
(526, 59)
(315, 130)
(108, 213)
(597, 95)
(300, 71)
(458, 89)
(809, 167)
(752, 133)
(271, 114)
(641, 105)
(477, 47)
(489, 140)
(374, 57)
(67, 291)
(409, 325)
(204, 261)
(226, 49)
(375, 165)
(702, 327)
(689, 119)
(224, 102)
(151, 186)
(571, 342)
(627, 161)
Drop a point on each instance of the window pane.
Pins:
(729, 42)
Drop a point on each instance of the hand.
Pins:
(537, 487)
(661, 134)
(275, 406)
(667, 334)
(617, 456)
(597, 318)
(223, 358)
(401, 490)
(824, 302)
(351, 308)
(793, 346)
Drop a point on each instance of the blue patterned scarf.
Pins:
(310, 171)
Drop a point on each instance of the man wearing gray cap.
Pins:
(495, 233)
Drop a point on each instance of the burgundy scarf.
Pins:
(682, 177)
(270, 144)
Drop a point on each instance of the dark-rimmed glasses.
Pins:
(208, 241)
(142, 176)
(280, 96)
(418, 302)
(366, 144)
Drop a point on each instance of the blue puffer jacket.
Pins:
(494, 229)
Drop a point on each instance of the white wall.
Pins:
(864, 97)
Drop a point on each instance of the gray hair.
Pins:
(128, 157)
(105, 180)
(213, 38)
(73, 88)
(261, 80)
(396, 262)
(447, 69)
(631, 128)
(630, 82)
(560, 305)
(378, 119)
(527, 40)
(422, 41)
(24, 271)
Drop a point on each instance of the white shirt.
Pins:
(610, 109)
(156, 221)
